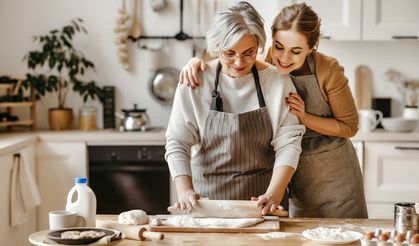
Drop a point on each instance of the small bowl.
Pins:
(399, 124)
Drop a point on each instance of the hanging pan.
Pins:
(163, 84)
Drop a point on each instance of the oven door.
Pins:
(121, 183)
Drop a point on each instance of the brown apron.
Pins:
(328, 180)
(236, 158)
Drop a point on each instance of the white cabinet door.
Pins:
(58, 165)
(17, 235)
(340, 19)
(390, 19)
(391, 174)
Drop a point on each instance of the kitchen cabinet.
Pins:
(389, 19)
(390, 175)
(58, 164)
(340, 19)
(16, 235)
(367, 19)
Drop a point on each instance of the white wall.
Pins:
(21, 19)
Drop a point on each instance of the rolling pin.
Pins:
(226, 209)
(136, 232)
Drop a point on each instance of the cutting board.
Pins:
(270, 224)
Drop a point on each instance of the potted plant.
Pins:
(57, 66)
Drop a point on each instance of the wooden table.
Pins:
(287, 225)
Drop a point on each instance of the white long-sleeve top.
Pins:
(191, 108)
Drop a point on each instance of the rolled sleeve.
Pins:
(287, 143)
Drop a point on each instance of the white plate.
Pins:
(355, 236)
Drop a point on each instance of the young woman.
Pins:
(328, 181)
(234, 138)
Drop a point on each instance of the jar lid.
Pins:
(88, 110)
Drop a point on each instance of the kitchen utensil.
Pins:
(135, 28)
(270, 224)
(369, 119)
(382, 104)
(163, 84)
(363, 87)
(56, 235)
(133, 119)
(324, 235)
(405, 218)
(411, 112)
(60, 219)
(136, 232)
(399, 124)
(226, 209)
(181, 35)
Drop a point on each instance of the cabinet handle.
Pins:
(406, 148)
(325, 37)
(404, 37)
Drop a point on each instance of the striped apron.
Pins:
(328, 180)
(236, 158)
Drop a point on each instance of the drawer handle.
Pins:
(325, 37)
(407, 148)
(404, 37)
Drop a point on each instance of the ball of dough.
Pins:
(133, 217)
(156, 222)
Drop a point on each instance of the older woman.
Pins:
(328, 181)
(245, 141)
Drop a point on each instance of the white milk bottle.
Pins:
(85, 205)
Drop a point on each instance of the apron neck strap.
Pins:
(311, 63)
(217, 102)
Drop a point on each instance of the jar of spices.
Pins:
(88, 118)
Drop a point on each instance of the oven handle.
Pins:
(128, 168)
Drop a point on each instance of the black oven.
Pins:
(129, 177)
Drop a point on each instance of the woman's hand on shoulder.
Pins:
(190, 72)
(296, 104)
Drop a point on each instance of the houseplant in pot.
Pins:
(57, 66)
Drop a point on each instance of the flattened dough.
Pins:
(189, 221)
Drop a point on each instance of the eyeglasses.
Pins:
(230, 55)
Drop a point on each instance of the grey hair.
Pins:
(230, 25)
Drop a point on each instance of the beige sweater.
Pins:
(335, 89)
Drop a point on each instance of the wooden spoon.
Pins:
(135, 29)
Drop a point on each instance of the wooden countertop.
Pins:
(287, 225)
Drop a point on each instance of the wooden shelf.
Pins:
(15, 104)
(6, 86)
(8, 107)
(28, 122)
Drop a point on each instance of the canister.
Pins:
(405, 218)
(88, 118)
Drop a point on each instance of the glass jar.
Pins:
(88, 118)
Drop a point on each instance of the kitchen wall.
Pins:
(21, 19)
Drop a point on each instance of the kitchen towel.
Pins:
(24, 193)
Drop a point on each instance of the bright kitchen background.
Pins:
(21, 19)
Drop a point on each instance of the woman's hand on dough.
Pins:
(268, 202)
(187, 199)
(190, 73)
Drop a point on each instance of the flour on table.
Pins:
(278, 235)
(189, 221)
(334, 234)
